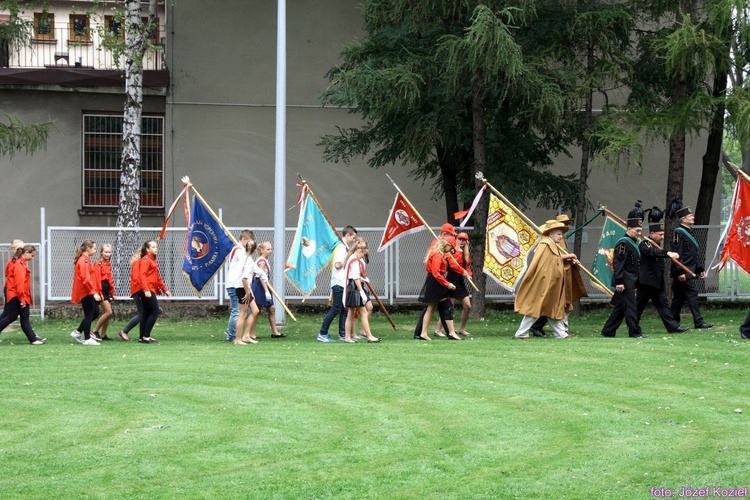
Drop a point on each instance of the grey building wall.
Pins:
(220, 127)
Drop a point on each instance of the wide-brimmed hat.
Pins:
(551, 225)
(448, 228)
(564, 218)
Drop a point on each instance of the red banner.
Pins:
(402, 220)
(737, 245)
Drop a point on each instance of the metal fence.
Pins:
(65, 47)
(397, 274)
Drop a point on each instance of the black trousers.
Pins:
(745, 327)
(150, 314)
(539, 323)
(682, 292)
(418, 328)
(626, 308)
(658, 297)
(90, 311)
(13, 306)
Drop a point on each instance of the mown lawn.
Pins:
(490, 417)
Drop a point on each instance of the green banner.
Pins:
(611, 234)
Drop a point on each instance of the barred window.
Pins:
(44, 26)
(102, 151)
(79, 30)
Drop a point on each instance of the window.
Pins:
(78, 29)
(154, 31)
(44, 26)
(114, 27)
(102, 149)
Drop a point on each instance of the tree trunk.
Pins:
(583, 177)
(712, 158)
(480, 214)
(129, 207)
(450, 189)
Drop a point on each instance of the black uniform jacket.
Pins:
(652, 265)
(685, 244)
(627, 263)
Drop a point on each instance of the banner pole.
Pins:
(468, 278)
(328, 219)
(226, 230)
(531, 224)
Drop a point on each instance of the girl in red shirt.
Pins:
(103, 276)
(85, 291)
(149, 284)
(18, 293)
(461, 292)
(436, 288)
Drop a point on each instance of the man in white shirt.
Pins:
(237, 259)
(338, 275)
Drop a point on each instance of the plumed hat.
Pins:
(635, 216)
(655, 223)
(675, 209)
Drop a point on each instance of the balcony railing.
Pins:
(62, 48)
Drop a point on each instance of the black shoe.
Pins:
(42, 339)
(638, 336)
(608, 334)
(680, 329)
(704, 325)
(538, 333)
(744, 336)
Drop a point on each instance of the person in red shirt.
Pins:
(148, 285)
(18, 293)
(86, 291)
(436, 288)
(14, 245)
(103, 276)
(461, 292)
(135, 320)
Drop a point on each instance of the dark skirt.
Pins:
(106, 292)
(432, 291)
(458, 280)
(353, 299)
(240, 291)
(260, 294)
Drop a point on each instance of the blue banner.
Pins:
(312, 247)
(208, 245)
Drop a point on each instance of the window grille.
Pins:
(102, 151)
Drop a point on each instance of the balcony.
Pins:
(69, 57)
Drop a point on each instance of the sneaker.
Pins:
(77, 336)
(90, 341)
(230, 338)
(96, 337)
(37, 342)
(342, 337)
(522, 335)
(43, 339)
(325, 338)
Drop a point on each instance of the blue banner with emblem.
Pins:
(207, 246)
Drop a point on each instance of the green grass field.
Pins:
(490, 417)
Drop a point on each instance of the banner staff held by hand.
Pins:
(594, 279)
(303, 182)
(653, 243)
(186, 181)
(468, 278)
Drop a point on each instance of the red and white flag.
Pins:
(737, 243)
(402, 220)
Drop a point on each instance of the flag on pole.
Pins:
(402, 220)
(737, 243)
(312, 247)
(507, 244)
(208, 245)
(466, 214)
(603, 261)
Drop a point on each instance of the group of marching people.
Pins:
(546, 293)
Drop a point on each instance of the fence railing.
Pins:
(397, 274)
(63, 48)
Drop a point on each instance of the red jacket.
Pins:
(149, 279)
(103, 272)
(437, 266)
(465, 266)
(134, 277)
(18, 281)
(84, 283)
